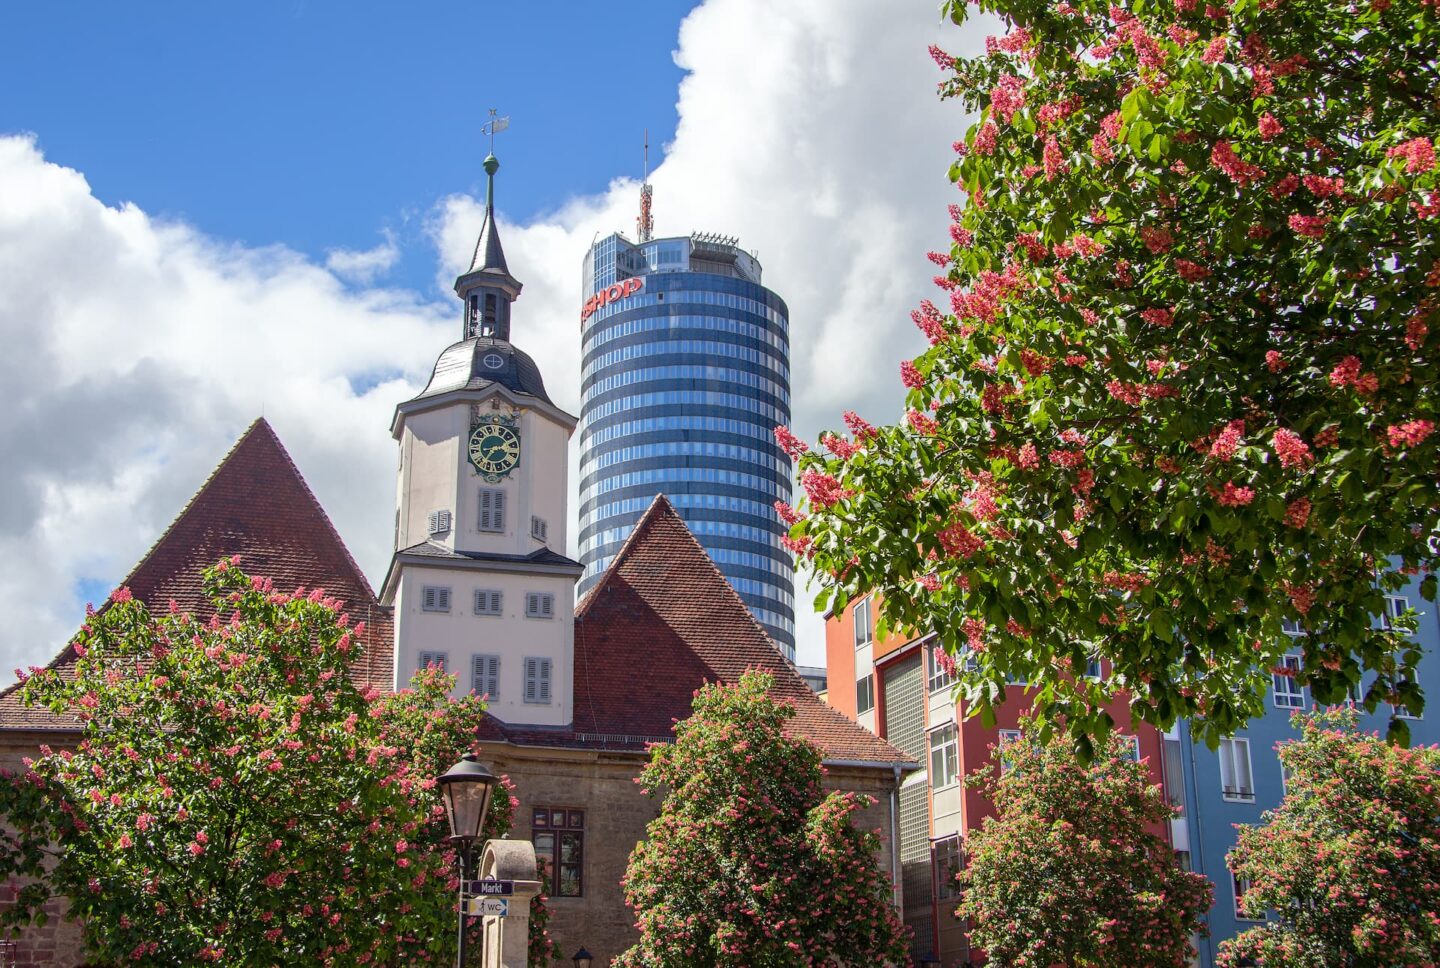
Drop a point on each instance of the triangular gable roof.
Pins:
(661, 622)
(255, 504)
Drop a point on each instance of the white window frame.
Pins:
(490, 510)
(936, 678)
(1239, 887)
(1230, 754)
(865, 688)
(489, 601)
(1094, 669)
(864, 623)
(1134, 743)
(435, 598)
(1292, 695)
(1395, 606)
(540, 605)
(944, 744)
(428, 657)
(483, 681)
(1007, 736)
(1291, 626)
(537, 680)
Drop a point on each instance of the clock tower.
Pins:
(479, 580)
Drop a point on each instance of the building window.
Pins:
(944, 757)
(1291, 626)
(539, 530)
(864, 629)
(436, 659)
(537, 680)
(939, 668)
(1395, 607)
(435, 598)
(438, 522)
(1007, 737)
(485, 675)
(1093, 669)
(1289, 694)
(559, 838)
(539, 605)
(1235, 778)
(946, 861)
(1131, 750)
(865, 694)
(1241, 886)
(1174, 776)
(492, 509)
(488, 601)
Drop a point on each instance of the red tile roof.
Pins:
(257, 505)
(661, 622)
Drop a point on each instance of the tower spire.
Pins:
(645, 224)
(487, 287)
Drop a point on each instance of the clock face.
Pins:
(494, 449)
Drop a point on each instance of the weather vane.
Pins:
(494, 126)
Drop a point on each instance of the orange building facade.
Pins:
(898, 688)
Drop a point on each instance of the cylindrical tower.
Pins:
(685, 370)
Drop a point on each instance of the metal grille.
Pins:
(905, 708)
(915, 868)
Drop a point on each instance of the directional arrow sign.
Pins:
(488, 907)
(490, 888)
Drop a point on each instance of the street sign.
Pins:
(490, 887)
(488, 907)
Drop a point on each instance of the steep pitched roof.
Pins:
(257, 505)
(661, 622)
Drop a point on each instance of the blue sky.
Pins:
(212, 212)
(318, 125)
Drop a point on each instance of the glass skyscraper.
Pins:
(685, 373)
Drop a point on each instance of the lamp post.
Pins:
(582, 958)
(466, 790)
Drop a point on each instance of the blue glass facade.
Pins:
(685, 373)
(1238, 782)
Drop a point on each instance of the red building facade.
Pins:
(900, 688)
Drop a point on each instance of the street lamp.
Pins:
(582, 958)
(466, 790)
(930, 961)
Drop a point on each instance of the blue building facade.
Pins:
(1238, 782)
(685, 373)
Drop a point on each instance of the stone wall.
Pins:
(616, 814)
(58, 941)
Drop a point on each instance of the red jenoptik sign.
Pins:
(609, 294)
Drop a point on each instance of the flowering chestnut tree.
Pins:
(749, 863)
(1070, 870)
(1181, 387)
(234, 796)
(1350, 861)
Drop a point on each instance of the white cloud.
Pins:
(136, 350)
(363, 266)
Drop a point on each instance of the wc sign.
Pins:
(610, 294)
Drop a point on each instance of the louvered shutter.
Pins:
(544, 671)
(532, 680)
(492, 509)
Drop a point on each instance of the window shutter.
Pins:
(492, 509)
(428, 601)
(485, 675)
(439, 522)
(547, 608)
(532, 676)
(497, 518)
(544, 680)
(442, 599)
(487, 601)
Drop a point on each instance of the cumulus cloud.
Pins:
(136, 350)
(363, 266)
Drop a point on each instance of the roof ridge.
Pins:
(583, 606)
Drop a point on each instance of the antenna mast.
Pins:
(645, 224)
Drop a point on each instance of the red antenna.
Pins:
(645, 224)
